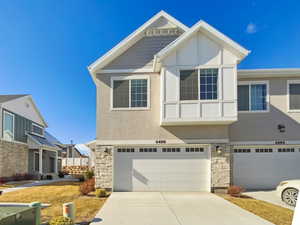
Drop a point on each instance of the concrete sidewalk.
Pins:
(36, 183)
(172, 208)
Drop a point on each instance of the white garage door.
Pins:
(162, 169)
(265, 167)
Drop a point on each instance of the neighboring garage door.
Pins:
(265, 167)
(162, 169)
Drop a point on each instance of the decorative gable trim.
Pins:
(162, 32)
(235, 48)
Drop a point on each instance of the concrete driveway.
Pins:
(172, 208)
(268, 196)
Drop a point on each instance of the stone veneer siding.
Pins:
(221, 167)
(13, 158)
(103, 167)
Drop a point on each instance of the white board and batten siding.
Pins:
(161, 171)
(264, 167)
(199, 52)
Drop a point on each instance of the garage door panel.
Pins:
(258, 170)
(158, 171)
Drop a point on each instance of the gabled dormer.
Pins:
(199, 77)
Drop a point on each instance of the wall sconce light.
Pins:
(107, 150)
(281, 128)
(219, 149)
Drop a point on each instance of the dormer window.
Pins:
(37, 130)
(190, 80)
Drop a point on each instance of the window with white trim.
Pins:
(252, 96)
(191, 80)
(130, 93)
(294, 95)
(38, 130)
(8, 126)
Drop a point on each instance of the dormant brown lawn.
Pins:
(56, 194)
(273, 213)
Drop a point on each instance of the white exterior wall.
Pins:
(199, 52)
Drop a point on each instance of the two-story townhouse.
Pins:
(25, 146)
(175, 114)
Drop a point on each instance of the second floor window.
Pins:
(294, 95)
(36, 129)
(130, 93)
(191, 80)
(8, 126)
(252, 97)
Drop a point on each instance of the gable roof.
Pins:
(237, 49)
(6, 98)
(130, 40)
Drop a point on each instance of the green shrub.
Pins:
(60, 220)
(101, 193)
(89, 174)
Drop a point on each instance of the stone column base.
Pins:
(103, 167)
(220, 167)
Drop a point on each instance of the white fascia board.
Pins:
(238, 50)
(132, 38)
(263, 73)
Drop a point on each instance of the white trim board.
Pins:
(168, 142)
(263, 73)
(264, 143)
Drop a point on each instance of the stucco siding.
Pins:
(141, 53)
(144, 124)
(263, 126)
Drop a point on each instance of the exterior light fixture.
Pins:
(219, 149)
(281, 128)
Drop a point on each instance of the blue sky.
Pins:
(46, 45)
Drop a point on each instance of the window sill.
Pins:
(293, 111)
(131, 109)
(264, 111)
(197, 101)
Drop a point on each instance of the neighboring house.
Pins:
(175, 114)
(71, 151)
(24, 144)
(73, 155)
